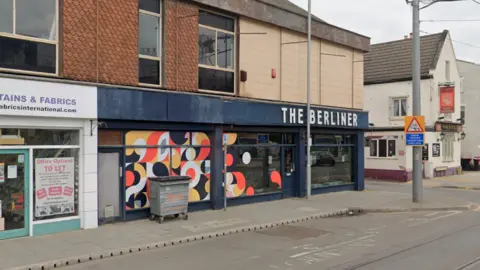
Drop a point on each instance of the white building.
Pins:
(388, 98)
(470, 109)
(48, 157)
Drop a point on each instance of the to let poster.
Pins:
(54, 186)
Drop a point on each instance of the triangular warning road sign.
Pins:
(415, 127)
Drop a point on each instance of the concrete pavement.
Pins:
(125, 238)
(467, 181)
(397, 241)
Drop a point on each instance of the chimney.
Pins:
(411, 35)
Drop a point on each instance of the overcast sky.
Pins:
(385, 20)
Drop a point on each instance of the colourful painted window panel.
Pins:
(173, 156)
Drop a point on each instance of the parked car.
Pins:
(323, 158)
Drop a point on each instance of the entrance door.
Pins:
(109, 185)
(14, 194)
(288, 177)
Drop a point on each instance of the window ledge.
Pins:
(388, 158)
(396, 118)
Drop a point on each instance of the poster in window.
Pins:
(54, 186)
(425, 152)
(435, 150)
(447, 99)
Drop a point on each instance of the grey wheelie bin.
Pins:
(169, 197)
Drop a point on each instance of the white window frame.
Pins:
(216, 67)
(160, 45)
(388, 150)
(34, 39)
(448, 147)
(392, 107)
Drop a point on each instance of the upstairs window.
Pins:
(216, 53)
(398, 107)
(149, 42)
(29, 36)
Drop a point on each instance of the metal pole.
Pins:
(225, 177)
(309, 49)
(417, 186)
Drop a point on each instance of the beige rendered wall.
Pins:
(336, 71)
(358, 79)
(259, 54)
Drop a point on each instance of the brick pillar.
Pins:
(181, 45)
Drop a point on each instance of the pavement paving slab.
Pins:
(122, 238)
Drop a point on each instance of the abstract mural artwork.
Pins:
(165, 153)
(237, 183)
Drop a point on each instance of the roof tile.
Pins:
(392, 61)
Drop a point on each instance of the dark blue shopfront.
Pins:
(150, 133)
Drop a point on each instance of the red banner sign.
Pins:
(447, 99)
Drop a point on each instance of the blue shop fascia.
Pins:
(146, 134)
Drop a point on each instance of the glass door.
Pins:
(288, 171)
(14, 195)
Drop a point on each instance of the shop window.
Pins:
(10, 136)
(383, 148)
(254, 162)
(149, 41)
(259, 138)
(216, 53)
(332, 159)
(28, 36)
(253, 170)
(55, 183)
(332, 139)
(166, 153)
(329, 169)
(448, 151)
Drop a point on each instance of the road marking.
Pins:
(377, 228)
(470, 264)
(419, 221)
(331, 246)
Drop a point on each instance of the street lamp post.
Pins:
(417, 186)
(309, 49)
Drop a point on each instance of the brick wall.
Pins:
(79, 40)
(118, 42)
(181, 46)
(113, 37)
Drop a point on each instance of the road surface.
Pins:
(421, 240)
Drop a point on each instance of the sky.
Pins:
(386, 20)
